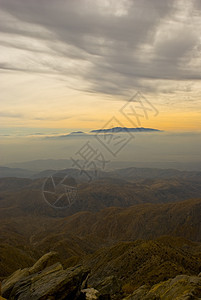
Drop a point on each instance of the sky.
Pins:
(74, 65)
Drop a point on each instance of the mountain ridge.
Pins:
(125, 129)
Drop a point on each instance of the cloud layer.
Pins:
(106, 46)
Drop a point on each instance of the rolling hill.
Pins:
(128, 230)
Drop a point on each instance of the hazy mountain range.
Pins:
(34, 166)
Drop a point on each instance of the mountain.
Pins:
(39, 169)
(142, 221)
(24, 197)
(75, 236)
(69, 135)
(15, 172)
(58, 164)
(181, 287)
(145, 173)
(138, 270)
(77, 132)
(45, 280)
(136, 230)
(141, 262)
(124, 130)
(13, 184)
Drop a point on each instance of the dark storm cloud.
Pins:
(112, 47)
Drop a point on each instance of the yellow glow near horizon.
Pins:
(43, 102)
(182, 121)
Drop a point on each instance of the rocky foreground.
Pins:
(47, 279)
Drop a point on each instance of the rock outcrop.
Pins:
(108, 286)
(45, 261)
(47, 280)
(182, 287)
(40, 282)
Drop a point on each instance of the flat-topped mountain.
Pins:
(124, 129)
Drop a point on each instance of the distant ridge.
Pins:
(74, 133)
(15, 172)
(124, 129)
(81, 134)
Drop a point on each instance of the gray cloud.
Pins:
(18, 115)
(11, 115)
(113, 48)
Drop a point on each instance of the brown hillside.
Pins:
(144, 221)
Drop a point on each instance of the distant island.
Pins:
(103, 131)
(72, 134)
(124, 129)
(77, 132)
